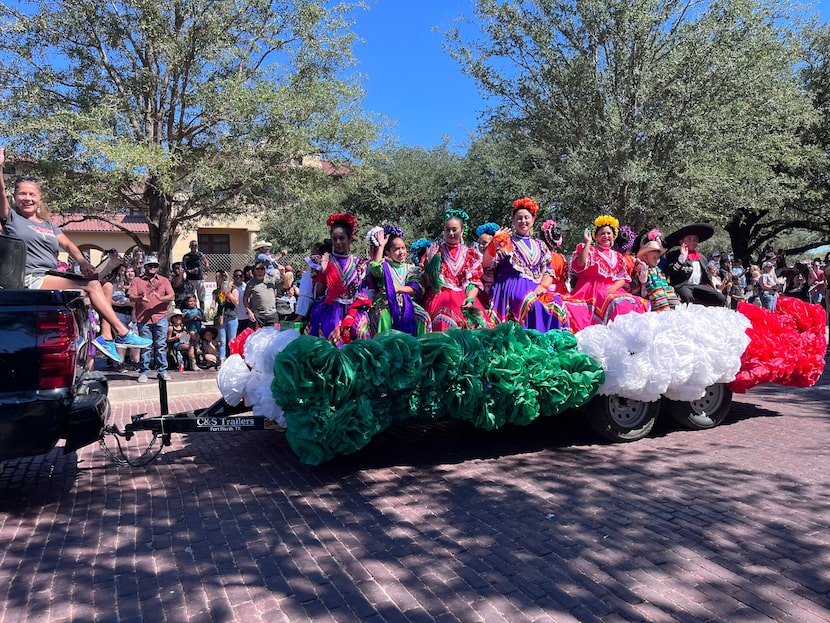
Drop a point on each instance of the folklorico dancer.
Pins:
(342, 314)
(523, 274)
(452, 275)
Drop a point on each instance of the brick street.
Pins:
(434, 522)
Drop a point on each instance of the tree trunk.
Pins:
(161, 224)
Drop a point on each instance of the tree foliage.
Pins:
(182, 109)
(662, 112)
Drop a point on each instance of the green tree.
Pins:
(182, 109)
(659, 111)
(408, 186)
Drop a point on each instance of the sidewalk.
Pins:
(124, 386)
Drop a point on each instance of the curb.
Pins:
(135, 392)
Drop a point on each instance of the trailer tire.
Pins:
(706, 412)
(621, 419)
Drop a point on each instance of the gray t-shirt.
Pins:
(40, 238)
(261, 297)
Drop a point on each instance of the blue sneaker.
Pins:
(107, 349)
(133, 341)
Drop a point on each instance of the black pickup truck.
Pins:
(45, 395)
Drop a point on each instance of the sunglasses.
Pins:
(23, 180)
(259, 267)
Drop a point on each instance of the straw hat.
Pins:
(261, 243)
(650, 247)
(174, 312)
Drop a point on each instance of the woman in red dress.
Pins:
(452, 275)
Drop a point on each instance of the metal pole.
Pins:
(164, 408)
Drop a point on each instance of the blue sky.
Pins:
(409, 77)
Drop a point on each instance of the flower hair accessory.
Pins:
(343, 219)
(420, 246)
(656, 234)
(625, 239)
(526, 203)
(551, 233)
(606, 220)
(459, 214)
(393, 231)
(488, 228)
(456, 213)
(371, 237)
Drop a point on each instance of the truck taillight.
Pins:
(57, 339)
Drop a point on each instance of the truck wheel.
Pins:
(706, 412)
(621, 419)
(93, 383)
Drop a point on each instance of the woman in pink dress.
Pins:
(452, 275)
(599, 295)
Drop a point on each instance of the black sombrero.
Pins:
(703, 231)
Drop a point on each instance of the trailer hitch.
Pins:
(220, 417)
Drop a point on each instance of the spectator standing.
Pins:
(261, 297)
(182, 286)
(195, 264)
(137, 261)
(768, 286)
(753, 285)
(238, 284)
(225, 320)
(151, 293)
(305, 295)
(737, 291)
(179, 344)
(817, 282)
(123, 308)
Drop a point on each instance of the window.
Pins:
(214, 243)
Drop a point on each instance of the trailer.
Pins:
(622, 376)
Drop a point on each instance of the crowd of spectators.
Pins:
(772, 277)
(191, 325)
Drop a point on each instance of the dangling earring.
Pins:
(37, 211)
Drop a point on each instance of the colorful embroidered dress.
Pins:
(656, 288)
(559, 271)
(519, 268)
(590, 302)
(342, 315)
(399, 312)
(452, 273)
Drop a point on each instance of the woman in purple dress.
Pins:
(523, 273)
(341, 314)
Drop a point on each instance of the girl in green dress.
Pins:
(398, 287)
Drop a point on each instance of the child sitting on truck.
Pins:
(653, 283)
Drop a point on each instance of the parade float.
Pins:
(332, 401)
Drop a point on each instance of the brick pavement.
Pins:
(435, 523)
